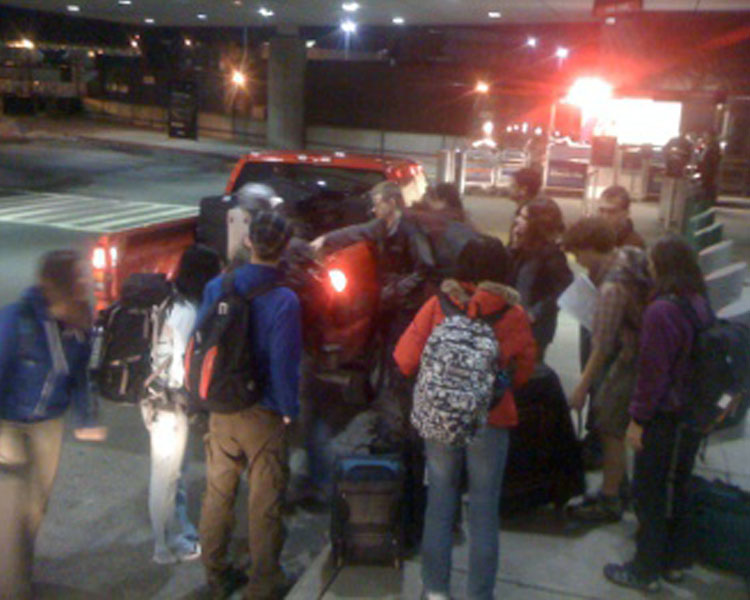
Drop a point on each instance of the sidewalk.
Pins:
(541, 559)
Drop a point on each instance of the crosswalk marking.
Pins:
(87, 213)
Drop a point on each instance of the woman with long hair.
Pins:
(664, 442)
(539, 270)
(164, 411)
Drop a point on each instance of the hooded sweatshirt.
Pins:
(513, 331)
(276, 333)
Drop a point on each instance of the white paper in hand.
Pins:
(579, 300)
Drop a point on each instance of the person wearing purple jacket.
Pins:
(665, 445)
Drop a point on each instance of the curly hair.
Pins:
(590, 233)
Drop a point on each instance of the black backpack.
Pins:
(719, 365)
(124, 334)
(221, 373)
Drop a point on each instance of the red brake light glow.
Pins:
(338, 279)
(99, 259)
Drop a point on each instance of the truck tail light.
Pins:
(338, 280)
(99, 258)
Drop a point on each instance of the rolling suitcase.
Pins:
(721, 524)
(545, 463)
(367, 523)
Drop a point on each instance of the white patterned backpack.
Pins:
(459, 376)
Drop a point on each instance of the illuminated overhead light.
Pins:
(238, 2)
(487, 128)
(482, 87)
(562, 53)
(494, 14)
(509, 129)
(124, 2)
(531, 42)
(188, 42)
(398, 20)
(265, 12)
(91, 54)
(516, 128)
(587, 91)
(74, 8)
(538, 131)
(24, 43)
(525, 127)
(310, 43)
(149, 21)
(350, 6)
(349, 26)
(238, 78)
(610, 20)
(322, 183)
(202, 16)
(133, 43)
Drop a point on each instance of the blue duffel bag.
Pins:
(721, 514)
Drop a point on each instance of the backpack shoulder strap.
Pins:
(447, 305)
(261, 289)
(687, 309)
(495, 317)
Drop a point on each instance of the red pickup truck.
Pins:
(156, 248)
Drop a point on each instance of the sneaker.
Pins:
(185, 549)
(222, 586)
(625, 576)
(673, 575)
(597, 509)
(164, 556)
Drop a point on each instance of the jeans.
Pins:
(167, 498)
(663, 541)
(29, 457)
(485, 461)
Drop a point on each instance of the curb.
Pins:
(119, 143)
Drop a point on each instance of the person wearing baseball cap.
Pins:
(255, 438)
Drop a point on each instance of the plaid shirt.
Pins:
(619, 310)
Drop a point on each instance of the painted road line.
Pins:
(87, 213)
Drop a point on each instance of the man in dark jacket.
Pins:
(255, 438)
(406, 264)
(708, 167)
(614, 207)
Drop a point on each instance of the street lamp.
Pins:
(238, 79)
(349, 28)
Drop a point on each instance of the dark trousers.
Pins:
(661, 496)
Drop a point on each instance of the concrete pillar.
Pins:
(286, 90)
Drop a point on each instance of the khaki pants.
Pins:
(254, 438)
(29, 457)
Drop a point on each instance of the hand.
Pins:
(634, 436)
(91, 434)
(577, 399)
(317, 245)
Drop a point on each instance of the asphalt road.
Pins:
(48, 170)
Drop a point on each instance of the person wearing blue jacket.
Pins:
(254, 438)
(44, 355)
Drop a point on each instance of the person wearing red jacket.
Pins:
(485, 456)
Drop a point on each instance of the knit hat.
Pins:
(269, 233)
